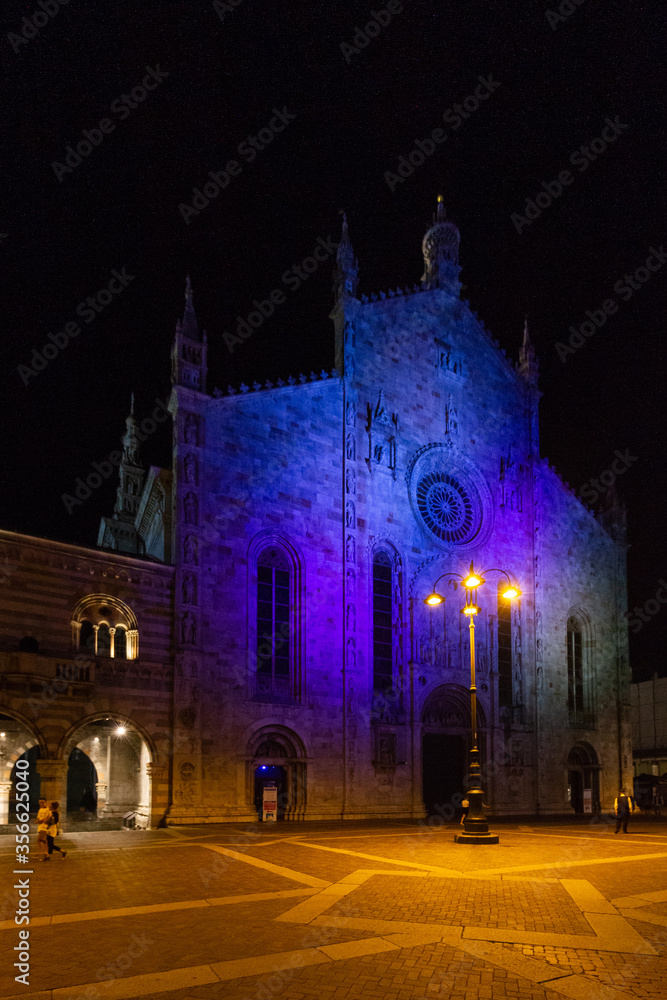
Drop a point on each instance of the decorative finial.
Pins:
(528, 365)
(188, 292)
(132, 405)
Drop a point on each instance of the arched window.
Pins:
(103, 640)
(104, 626)
(120, 643)
(383, 579)
(505, 692)
(87, 637)
(275, 654)
(580, 707)
(575, 672)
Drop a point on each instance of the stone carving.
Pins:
(539, 652)
(187, 717)
(350, 618)
(351, 581)
(350, 446)
(190, 468)
(191, 430)
(350, 481)
(381, 427)
(188, 629)
(350, 549)
(351, 653)
(446, 361)
(451, 420)
(190, 507)
(189, 589)
(387, 749)
(350, 519)
(350, 413)
(190, 550)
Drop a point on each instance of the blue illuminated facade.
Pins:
(307, 521)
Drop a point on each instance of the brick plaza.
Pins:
(370, 910)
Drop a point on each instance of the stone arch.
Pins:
(447, 706)
(17, 737)
(122, 763)
(583, 778)
(276, 745)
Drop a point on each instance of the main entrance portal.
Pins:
(444, 770)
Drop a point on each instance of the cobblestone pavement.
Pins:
(333, 911)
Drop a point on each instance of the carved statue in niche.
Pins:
(350, 549)
(350, 514)
(349, 333)
(188, 629)
(350, 446)
(349, 364)
(191, 430)
(387, 749)
(190, 467)
(378, 452)
(351, 583)
(438, 652)
(538, 622)
(350, 413)
(350, 618)
(539, 651)
(190, 507)
(189, 589)
(350, 481)
(351, 653)
(424, 649)
(190, 550)
(451, 418)
(350, 697)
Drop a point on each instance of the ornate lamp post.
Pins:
(475, 825)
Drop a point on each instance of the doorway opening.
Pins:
(271, 774)
(583, 779)
(444, 763)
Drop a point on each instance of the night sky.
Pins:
(220, 73)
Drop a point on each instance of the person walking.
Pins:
(43, 814)
(623, 806)
(52, 831)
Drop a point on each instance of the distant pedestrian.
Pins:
(52, 832)
(623, 806)
(43, 814)
(465, 805)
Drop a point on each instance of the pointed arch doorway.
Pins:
(445, 722)
(277, 754)
(583, 779)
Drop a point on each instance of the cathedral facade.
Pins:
(257, 613)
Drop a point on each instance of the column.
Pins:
(5, 789)
(53, 786)
(158, 794)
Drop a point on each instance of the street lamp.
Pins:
(476, 827)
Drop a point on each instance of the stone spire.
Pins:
(188, 355)
(119, 531)
(528, 365)
(131, 472)
(346, 271)
(440, 247)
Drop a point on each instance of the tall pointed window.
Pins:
(505, 693)
(274, 625)
(382, 622)
(579, 702)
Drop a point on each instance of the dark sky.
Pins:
(554, 81)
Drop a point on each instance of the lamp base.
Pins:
(476, 838)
